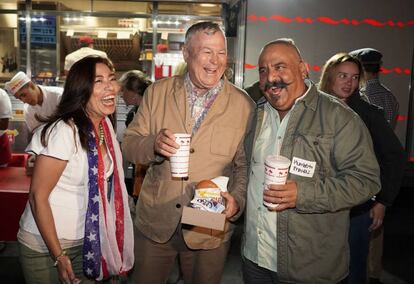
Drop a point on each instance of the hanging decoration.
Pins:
(331, 21)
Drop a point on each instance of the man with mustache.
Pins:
(333, 168)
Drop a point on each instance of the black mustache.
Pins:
(278, 84)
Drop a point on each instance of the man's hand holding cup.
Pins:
(176, 147)
(165, 144)
(277, 194)
(284, 196)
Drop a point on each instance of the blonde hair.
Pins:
(326, 80)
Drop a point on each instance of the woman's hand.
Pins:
(377, 214)
(46, 173)
(65, 271)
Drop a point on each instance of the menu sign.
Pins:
(43, 31)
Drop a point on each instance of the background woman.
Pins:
(341, 77)
(77, 218)
(133, 85)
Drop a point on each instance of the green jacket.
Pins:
(312, 244)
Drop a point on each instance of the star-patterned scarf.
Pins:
(108, 243)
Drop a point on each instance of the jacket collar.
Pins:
(311, 95)
(178, 91)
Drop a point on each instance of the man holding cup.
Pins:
(300, 236)
(203, 103)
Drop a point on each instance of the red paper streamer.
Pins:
(330, 21)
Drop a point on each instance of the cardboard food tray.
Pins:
(202, 218)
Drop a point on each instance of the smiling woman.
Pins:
(105, 89)
(341, 77)
(77, 217)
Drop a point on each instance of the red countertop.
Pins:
(14, 189)
(14, 179)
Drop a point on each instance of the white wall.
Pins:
(319, 41)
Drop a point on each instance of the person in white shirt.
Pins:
(40, 101)
(5, 115)
(76, 225)
(86, 49)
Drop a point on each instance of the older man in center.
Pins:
(205, 104)
(303, 237)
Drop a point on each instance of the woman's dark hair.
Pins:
(76, 94)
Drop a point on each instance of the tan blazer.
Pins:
(217, 149)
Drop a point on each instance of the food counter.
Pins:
(14, 190)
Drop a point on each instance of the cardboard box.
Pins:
(204, 219)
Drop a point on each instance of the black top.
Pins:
(254, 91)
(388, 150)
(130, 115)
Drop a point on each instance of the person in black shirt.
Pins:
(342, 77)
(133, 85)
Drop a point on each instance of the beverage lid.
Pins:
(277, 160)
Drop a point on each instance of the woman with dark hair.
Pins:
(76, 225)
(342, 76)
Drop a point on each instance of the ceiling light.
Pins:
(209, 5)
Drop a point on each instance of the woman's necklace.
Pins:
(101, 135)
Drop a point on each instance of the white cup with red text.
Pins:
(276, 172)
(180, 160)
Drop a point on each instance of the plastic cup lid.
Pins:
(278, 160)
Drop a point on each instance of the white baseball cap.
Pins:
(17, 82)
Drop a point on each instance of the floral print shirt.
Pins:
(200, 104)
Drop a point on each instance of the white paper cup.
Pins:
(179, 161)
(276, 172)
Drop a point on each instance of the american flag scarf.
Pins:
(108, 247)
